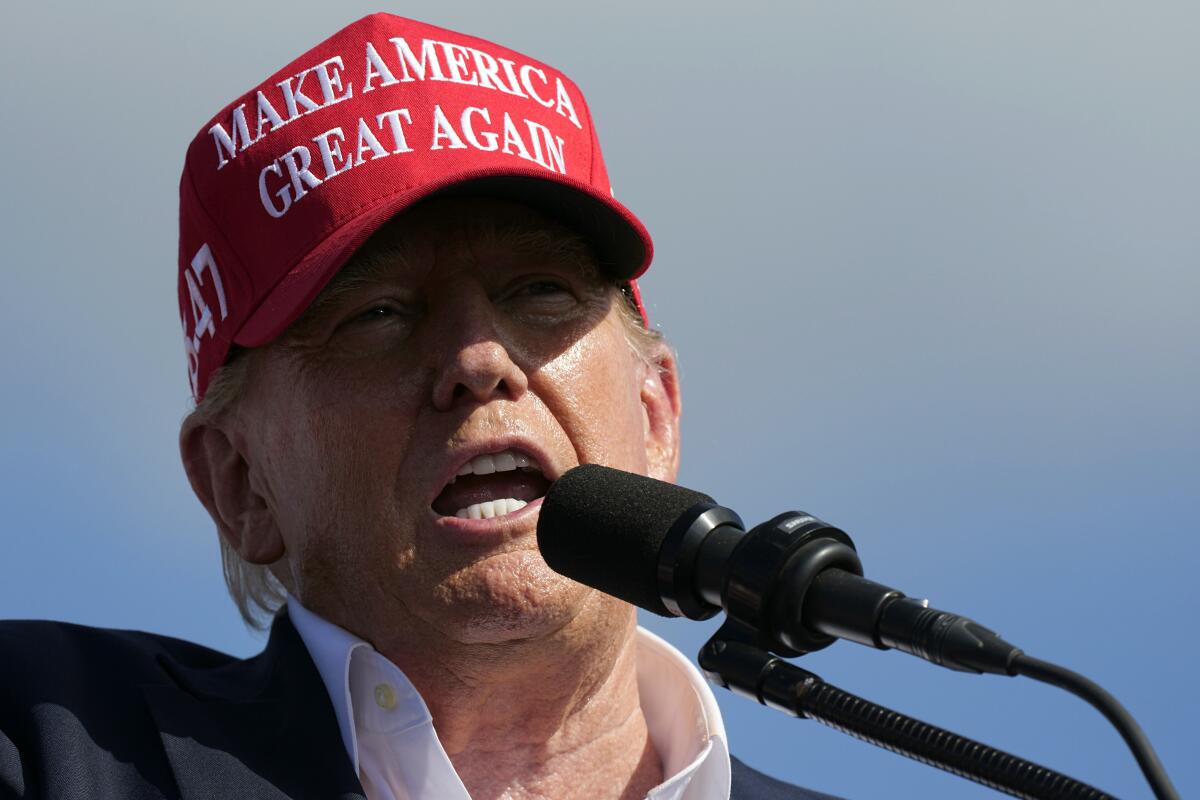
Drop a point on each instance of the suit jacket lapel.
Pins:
(262, 728)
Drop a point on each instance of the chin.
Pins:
(511, 597)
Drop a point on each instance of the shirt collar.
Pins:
(684, 723)
(682, 716)
(330, 648)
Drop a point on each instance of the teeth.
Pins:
(487, 464)
(491, 508)
(505, 461)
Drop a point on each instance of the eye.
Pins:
(376, 313)
(543, 294)
(542, 288)
(386, 308)
(379, 314)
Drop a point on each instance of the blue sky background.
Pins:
(931, 269)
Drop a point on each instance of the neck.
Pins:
(554, 715)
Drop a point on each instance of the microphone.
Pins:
(794, 581)
(793, 585)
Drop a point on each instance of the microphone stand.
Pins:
(794, 585)
(733, 660)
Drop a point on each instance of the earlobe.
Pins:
(220, 477)
(661, 408)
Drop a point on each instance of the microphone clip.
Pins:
(760, 577)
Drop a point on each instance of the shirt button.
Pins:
(385, 696)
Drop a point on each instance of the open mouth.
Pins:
(492, 485)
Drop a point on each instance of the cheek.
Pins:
(332, 446)
(595, 389)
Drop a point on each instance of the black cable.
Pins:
(937, 747)
(1107, 705)
(731, 661)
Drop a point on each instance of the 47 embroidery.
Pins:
(202, 321)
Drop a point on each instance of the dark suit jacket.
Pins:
(91, 714)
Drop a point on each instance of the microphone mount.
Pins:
(797, 582)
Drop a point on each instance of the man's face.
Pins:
(465, 329)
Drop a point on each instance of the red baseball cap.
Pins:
(288, 180)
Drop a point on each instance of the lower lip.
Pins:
(486, 531)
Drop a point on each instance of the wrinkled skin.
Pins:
(352, 424)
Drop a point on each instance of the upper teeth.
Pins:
(505, 461)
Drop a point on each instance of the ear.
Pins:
(220, 477)
(661, 408)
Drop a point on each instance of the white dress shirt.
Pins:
(388, 730)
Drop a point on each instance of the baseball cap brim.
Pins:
(622, 244)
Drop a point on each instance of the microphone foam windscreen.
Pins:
(604, 528)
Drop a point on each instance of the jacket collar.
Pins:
(258, 729)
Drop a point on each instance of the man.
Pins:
(409, 305)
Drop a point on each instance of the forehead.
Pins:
(468, 231)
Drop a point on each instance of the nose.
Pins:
(476, 363)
